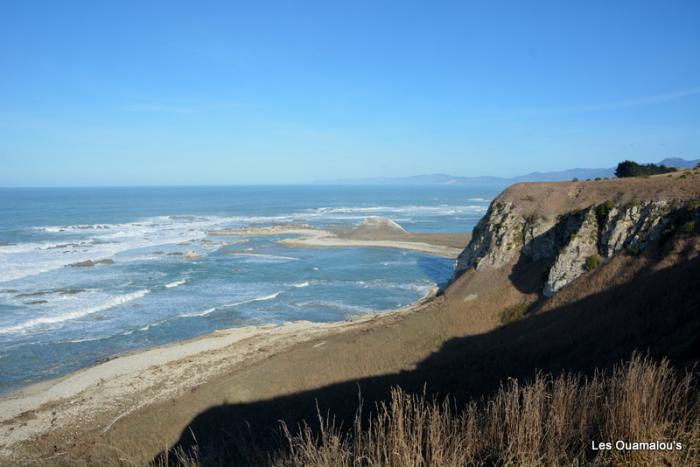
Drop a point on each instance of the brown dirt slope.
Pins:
(550, 199)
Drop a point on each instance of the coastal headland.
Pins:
(526, 299)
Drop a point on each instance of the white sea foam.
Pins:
(412, 210)
(265, 258)
(75, 243)
(253, 300)
(174, 284)
(197, 313)
(88, 339)
(80, 242)
(301, 285)
(44, 320)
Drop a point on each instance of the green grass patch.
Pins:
(592, 262)
(602, 211)
(514, 313)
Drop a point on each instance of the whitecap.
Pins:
(115, 301)
(301, 285)
(411, 210)
(88, 339)
(197, 313)
(98, 241)
(174, 284)
(256, 299)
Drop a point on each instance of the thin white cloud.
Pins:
(157, 108)
(639, 101)
(614, 105)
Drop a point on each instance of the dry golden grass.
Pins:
(550, 421)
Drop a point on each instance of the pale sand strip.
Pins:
(318, 238)
(324, 239)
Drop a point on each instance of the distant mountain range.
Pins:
(679, 163)
(558, 176)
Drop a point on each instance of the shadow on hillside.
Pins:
(658, 313)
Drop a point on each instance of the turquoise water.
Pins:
(55, 319)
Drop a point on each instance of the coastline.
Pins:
(97, 397)
(92, 400)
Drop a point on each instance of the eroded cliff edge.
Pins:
(574, 227)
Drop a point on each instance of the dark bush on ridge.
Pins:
(633, 169)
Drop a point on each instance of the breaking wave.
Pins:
(174, 284)
(115, 301)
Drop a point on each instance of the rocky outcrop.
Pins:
(570, 262)
(573, 242)
(90, 263)
(632, 225)
(495, 240)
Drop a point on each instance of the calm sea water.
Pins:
(55, 319)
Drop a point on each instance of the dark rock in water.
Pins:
(70, 291)
(32, 294)
(66, 291)
(90, 263)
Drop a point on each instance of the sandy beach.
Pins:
(91, 401)
(94, 399)
(374, 232)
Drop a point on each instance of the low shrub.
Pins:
(688, 227)
(514, 313)
(592, 262)
(602, 211)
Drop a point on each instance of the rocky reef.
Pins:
(571, 242)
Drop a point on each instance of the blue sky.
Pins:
(135, 93)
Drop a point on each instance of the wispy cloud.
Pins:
(614, 105)
(147, 107)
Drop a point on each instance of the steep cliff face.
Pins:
(572, 255)
(495, 239)
(572, 241)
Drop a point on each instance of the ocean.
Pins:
(166, 278)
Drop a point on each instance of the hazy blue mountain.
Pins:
(563, 175)
(679, 163)
(429, 179)
(556, 176)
